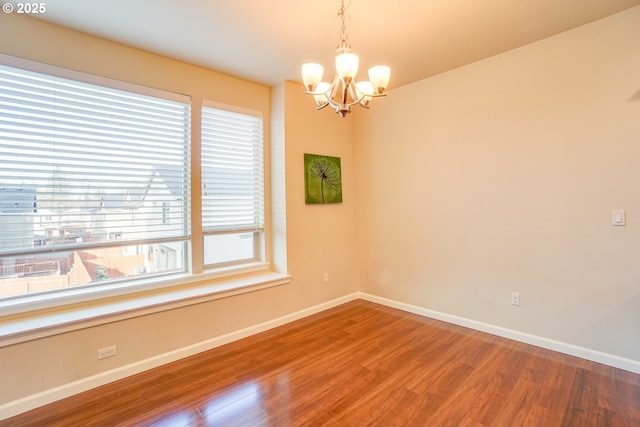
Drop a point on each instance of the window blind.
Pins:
(84, 166)
(232, 171)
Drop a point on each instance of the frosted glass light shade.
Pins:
(363, 89)
(347, 65)
(320, 94)
(312, 75)
(379, 77)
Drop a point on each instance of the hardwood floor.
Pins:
(361, 364)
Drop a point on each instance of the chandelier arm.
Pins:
(340, 107)
(354, 95)
(372, 95)
(331, 93)
(353, 103)
(332, 102)
(375, 95)
(334, 86)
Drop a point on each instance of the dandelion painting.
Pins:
(322, 179)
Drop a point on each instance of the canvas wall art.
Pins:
(322, 179)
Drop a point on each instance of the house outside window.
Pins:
(94, 182)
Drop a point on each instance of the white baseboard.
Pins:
(570, 349)
(19, 406)
(28, 403)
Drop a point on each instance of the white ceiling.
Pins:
(266, 41)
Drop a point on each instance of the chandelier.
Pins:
(344, 92)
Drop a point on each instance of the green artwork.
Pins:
(322, 179)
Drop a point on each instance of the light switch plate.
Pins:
(618, 217)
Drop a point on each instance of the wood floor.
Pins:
(361, 364)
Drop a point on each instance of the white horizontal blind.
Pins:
(86, 166)
(232, 171)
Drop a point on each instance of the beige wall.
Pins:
(501, 176)
(458, 189)
(318, 238)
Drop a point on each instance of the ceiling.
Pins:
(266, 41)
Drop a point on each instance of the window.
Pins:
(94, 181)
(232, 185)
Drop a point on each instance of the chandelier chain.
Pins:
(341, 14)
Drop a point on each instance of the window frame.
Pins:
(257, 231)
(194, 285)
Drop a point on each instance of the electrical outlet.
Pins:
(107, 352)
(326, 278)
(515, 298)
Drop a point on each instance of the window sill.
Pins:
(28, 319)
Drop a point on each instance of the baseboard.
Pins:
(570, 349)
(28, 403)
